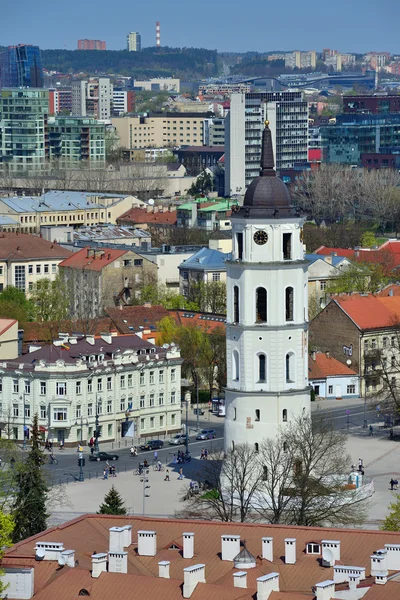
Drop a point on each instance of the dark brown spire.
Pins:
(267, 154)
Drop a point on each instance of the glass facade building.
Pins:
(72, 139)
(21, 66)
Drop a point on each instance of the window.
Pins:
(173, 419)
(78, 388)
(78, 412)
(142, 424)
(185, 275)
(141, 378)
(262, 367)
(287, 246)
(161, 399)
(239, 240)
(122, 404)
(19, 276)
(109, 429)
(330, 389)
(289, 304)
(393, 341)
(127, 262)
(42, 388)
(99, 385)
(216, 276)
(38, 269)
(90, 410)
(151, 377)
(161, 376)
(15, 386)
(289, 367)
(173, 397)
(61, 388)
(90, 386)
(109, 384)
(351, 389)
(161, 421)
(109, 407)
(122, 381)
(261, 305)
(46, 268)
(236, 367)
(151, 400)
(15, 410)
(393, 381)
(173, 374)
(27, 386)
(256, 447)
(384, 342)
(366, 344)
(373, 344)
(236, 304)
(43, 412)
(313, 549)
(152, 421)
(54, 268)
(30, 269)
(99, 407)
(27, 411)
(265, 473)
(284, 415)
(142, 401)
(392, 361)
(59, 414)
(130, 380)
(138, 262)
(257, 417)
(322, 286)
(316, 390)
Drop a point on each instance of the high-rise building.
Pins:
(91, 45)
(266, 329)
(21, 66)
(133, 42)
(287, 113)
(301, 60)
(60, 101)
(23, 128)
(74, 139)
(92, 98)
(123, 102)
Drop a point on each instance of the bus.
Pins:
(218, 407)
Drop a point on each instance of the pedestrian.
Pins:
(50, 446)
(155, 455)
(180, 473)
(371, 431)
(205, 453)
(166, 478)
(391, 483)
(91, 449)
(105, 473)
(202, 454)
(174, 460)
(159, 465)
(62, 445)
(360, 464)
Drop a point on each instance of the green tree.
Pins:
(209, 296)
(50, 299)
(6, 531)
(392, 521)
(202, 185)
(368, 239)
(160, 294)
(113, 504)
(360, 277)
(15, 305)
(29, 506)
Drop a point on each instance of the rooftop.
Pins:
(132, 319)
(206, 259)
(321, 365)
(107, 232)
(369, 311)
(92, 259)
(22, 246)
(142, 215)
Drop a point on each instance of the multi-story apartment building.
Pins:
(75, 139)
(214, 132)
(287, 113)
(301, 60)
(168, 129)
(21, 66)
(224, 89)
(23, 127)
(60, 101)
(91, 45)
(92, 98)
(123, 102)
(121, 386)
(133, 42)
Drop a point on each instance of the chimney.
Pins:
(147, 543)
(330, 552)
(240, 579)
(68, 558)
(48, 550)
(188, 545)
(99, 564)
(381, 579)
(127, 535)
(266, 585)
(230, 546)
(290, 551)
(325, 590)
(354, 580)
(163, 569)
(327, 354)
(90, 339)
(116, 539)
(313, 355)
(191, 577)
(378, 562)
(19, 582)
(106, 337)
(267, 548)
(118, 562)
(342, 573)
(393, 557)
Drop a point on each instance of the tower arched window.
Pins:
(235, 365)
(289, 367)
(236, 309)
(262, 367)
(289, 302)
(284, 415)
(256, 447)
(261, 305)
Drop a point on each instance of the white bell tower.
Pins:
(267, 307)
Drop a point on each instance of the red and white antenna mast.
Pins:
(158, 34)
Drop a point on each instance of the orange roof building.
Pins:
(331, 378)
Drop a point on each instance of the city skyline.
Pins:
(308, 26)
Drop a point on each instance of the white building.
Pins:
(133, 42)
(133, 385)
(267, 330)
(92, 98)
(159, 84)
(331, 379)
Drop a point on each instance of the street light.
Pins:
(187, 399)
(82, 425)
(24, 428)
(96, 437)
(145, 480)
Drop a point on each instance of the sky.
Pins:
(235, 26)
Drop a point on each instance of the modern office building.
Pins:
(92, 98)
(75, 139)
(133, 42)
(91, 45)
(287, 114)
(21, 66)
(23, 127)
(123, 102)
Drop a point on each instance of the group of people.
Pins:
(143, 466)
(109, 471)
(181, 457)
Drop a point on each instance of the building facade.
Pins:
(21, 66)
(91, 45)
(131, 385)
(267, 330)
(92, 98)
(75, 139)
(214, 132)
(60, 101)
(287, 113)
(376, 104)
(123, 102)
(134, 42)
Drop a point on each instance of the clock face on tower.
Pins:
(260, 237)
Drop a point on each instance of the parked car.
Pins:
(152, 445)
(200, 411)
(207, 434)
(179, 438)
(103, 456)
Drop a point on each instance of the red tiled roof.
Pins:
(393, 289)
(146, 316)
(24, 246)
(371, 312)
(326, 366)
(140, 215)
(207, 321)
(44, 332)
(95, 260)
(388, 255)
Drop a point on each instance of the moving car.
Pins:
(179, 438)
(207, 434)
(103, 456)
(152, 445)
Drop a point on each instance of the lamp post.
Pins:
(187, 400)
(24, 426)
(365, 395)
(96, 437)
(82, 425)
(145, 480)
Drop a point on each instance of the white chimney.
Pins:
(147, 543)
(240, 579)
(127, 535)
(118, 562)
(163, 569)
(99, 564)
(325, 590)
(378, 562)
(48, 550)
(116, 539)
(267, 544)
(191, 577)
(106, 337)
(330, 552)
(354, 580)
(393, 557)
(290, 551)
(188, 545)
(90, 339)
(266, 585)
(68, 558)
(342, 574)
(381, 579)
(19, 582)
(230, 546)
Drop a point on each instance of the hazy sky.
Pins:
(235, 25)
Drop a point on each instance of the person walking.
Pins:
(391, 483)
(180, 473)
(371, 431)
(202, 454)
(105, 473)
(205, 454)
(155, 456)
(166, 478)
(360, 464)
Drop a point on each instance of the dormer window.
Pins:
(313, 548)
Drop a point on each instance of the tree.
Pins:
(368, 239)
(209, 296)
(15, 305)
(50, 299)
(202, 186)
(392, 521)
(29, 505)
(360, 277)
(113, 504)
(6, 531)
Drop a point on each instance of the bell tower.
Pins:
(267, 307)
